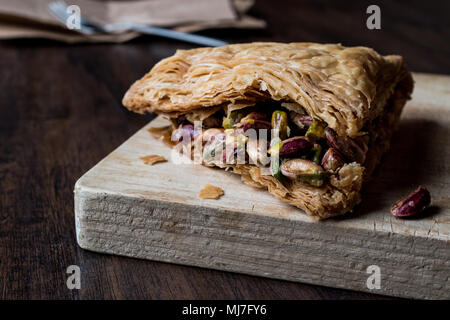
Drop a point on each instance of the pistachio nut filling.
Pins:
(307, 122)
(293, 146)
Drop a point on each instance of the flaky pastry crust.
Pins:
(345, 87)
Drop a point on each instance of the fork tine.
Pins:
(59, 7)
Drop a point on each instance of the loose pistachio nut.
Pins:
(301, 121)
(332, 160)
(233, 118)
(280, 123)
(346, 146)
(316, 131)
(290, 147)
(184, 131)
(244, 125)
(413, 204)
(303, 170)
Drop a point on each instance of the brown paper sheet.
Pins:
(32, 19)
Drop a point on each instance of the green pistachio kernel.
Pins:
(233, 118)
(275, 167)
(316, 131)
(303, 170)
(315, 180)
(280, 123)
(227, 123)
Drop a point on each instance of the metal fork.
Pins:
(59, 10)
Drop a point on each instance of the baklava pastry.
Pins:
(308, 122)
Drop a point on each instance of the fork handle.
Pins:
(188, 37)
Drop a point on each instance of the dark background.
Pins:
(61, 112)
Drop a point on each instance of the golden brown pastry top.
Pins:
(345, 87)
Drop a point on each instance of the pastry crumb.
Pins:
(162, 133)
(152, 159)
(211, 192)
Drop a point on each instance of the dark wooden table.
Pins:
(61, 112)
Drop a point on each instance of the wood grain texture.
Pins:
(61, 113)
(125, 207)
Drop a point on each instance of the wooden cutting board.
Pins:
(125, 207)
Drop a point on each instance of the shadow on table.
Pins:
(412, 160)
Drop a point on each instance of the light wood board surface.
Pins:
(125, 207)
